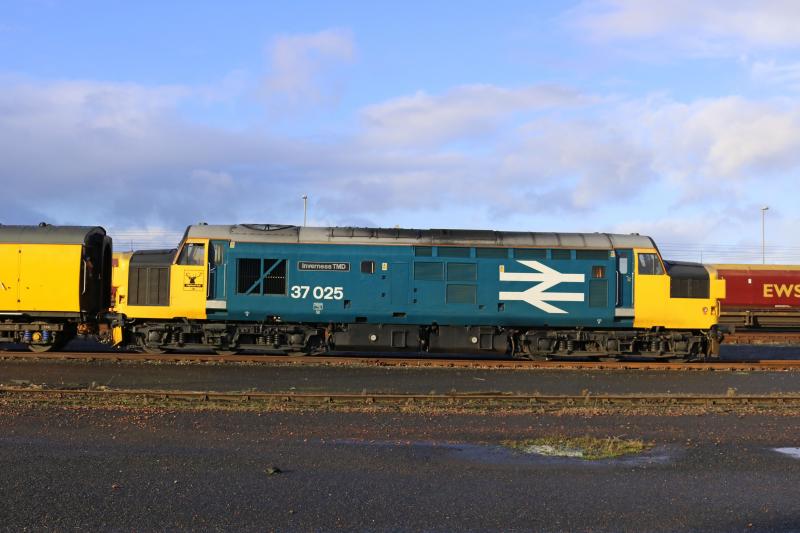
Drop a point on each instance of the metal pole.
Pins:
(763, 235)
(305, 209)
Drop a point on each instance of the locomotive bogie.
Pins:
(162, 336)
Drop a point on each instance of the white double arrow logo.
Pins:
(547, 278)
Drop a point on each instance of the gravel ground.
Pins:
(155, 469)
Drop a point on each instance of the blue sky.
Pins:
(678, 120)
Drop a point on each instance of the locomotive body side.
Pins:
(401, 284)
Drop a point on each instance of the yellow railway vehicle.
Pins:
(55, 282)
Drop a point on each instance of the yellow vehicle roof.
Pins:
(48, 234)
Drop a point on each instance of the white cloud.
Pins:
(210, 178)
(594, 157)
(96, 106)
(300, 65)
(460, 113)
(724, 138)
(707, 27)
(777, 73)
(122, 154)
(96, 149)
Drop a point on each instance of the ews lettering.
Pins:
(783, 290)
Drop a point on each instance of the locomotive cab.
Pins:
(162, 284)
(675, 295)
(159, 285)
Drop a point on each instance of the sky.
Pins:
(679, 120)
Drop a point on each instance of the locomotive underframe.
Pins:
(227, 337)
(41, 335)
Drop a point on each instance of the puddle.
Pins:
(791, 452)
(556, 456)
(503, 455)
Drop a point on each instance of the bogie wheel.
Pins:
(606, 359)
(40, 348)
(59, 340)
(152, 350)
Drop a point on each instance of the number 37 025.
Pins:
(318, 293)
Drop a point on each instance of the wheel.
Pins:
(58, 339)
(220, 351)
(297, 354)
(40, 348)
(678, 359)
(153, 350)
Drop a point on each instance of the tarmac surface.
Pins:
(376, 379)
(159, 469)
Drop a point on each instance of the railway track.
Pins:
(394, 361)
(317, 398)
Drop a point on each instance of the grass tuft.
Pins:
(588, 448)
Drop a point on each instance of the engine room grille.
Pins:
(688, 288)
(148, 285)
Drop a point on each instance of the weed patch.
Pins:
(589, 448)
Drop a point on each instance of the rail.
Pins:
(33, 394)
(395, 361)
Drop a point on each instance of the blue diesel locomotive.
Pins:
(307, 289)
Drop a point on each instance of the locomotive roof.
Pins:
(48, 234)
(424, 237)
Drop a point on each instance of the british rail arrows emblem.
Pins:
(547, 278)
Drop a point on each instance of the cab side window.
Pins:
(650, 265)
(192, 254)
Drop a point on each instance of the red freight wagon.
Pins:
(760, 295)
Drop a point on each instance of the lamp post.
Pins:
(763, 235)
(305, 209)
